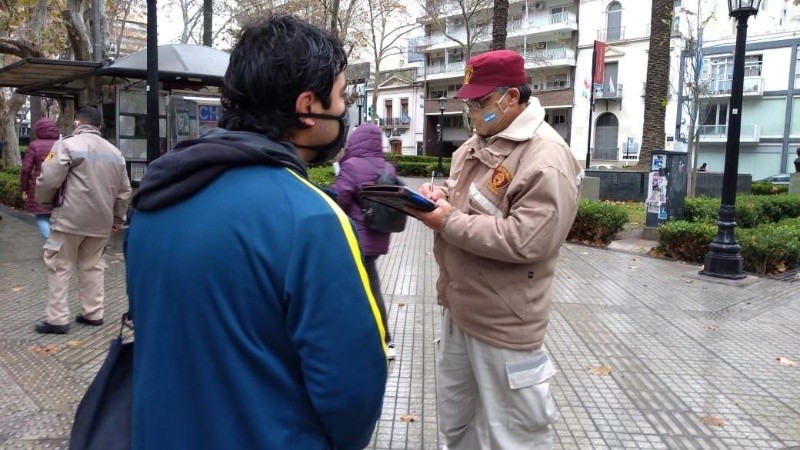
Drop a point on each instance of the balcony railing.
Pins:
(606, 94)
(549, 55)
(752, 86)
(611, 34)
(535, 23)
(719, 133)
(395, 122)
(454, 67)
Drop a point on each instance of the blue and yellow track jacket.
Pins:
(255, 324)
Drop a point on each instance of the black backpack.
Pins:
(379, 217)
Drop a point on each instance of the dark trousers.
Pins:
(375, 285)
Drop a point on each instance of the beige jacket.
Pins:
(85, 180)
(515, 198)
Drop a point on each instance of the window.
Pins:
(614, 22)
(403, 107)
(557, 82)
(752, 66)
(453, 121)
(387, 104)
(611, 79)
(797, 72)
(714, 114)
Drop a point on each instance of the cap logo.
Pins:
(467, 74)
(501, 178)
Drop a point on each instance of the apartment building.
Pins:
(612, 131)
(770, 129)
(544, 32)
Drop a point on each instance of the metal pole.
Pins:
(153, 147)
(724, 259)
(439, 168)
(681, 70)
(359, 111)
(591, 107)
(97, 36)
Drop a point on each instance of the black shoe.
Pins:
(47, 328)
(95, 323)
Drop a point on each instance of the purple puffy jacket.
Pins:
(362, 163)
(47, 134)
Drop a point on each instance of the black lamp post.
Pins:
(440, 129)
(724, 259)
(360, 104)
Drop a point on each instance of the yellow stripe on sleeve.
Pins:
(355, 251)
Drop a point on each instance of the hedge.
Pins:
(597, 222)
(10, 194)
(766, 249)
(751, 210)
(764, 188)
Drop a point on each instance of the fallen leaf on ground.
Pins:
(633, 267)
(16, 288)
(401, 303)
(711, 327)
(780, 268)
(690, 281)
(584, 253)
(42, 350)
(600, 370)
(797, 276)
(408, 418)
(74, 343)
(785, 362)
(712, 421)
(114, 262)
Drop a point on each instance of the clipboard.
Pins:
(396, 197)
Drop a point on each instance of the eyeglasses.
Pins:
(479, 103)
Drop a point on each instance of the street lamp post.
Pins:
(440, 129)
(724, 259)
(360, 104)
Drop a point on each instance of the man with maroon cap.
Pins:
(502, 215)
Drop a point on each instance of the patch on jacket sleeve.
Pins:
(500, 178)
(49, 156)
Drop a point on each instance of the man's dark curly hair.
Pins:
(276, 59)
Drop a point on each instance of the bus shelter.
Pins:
(190, 77)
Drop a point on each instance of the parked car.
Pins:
(780, 178)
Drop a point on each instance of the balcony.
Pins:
(401, 122)
(752, 86)
(554, 57)
(606, 94)
(611, 34)
(719, 133)
(450, 68)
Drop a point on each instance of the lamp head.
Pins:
(746, 8)
(442, 103)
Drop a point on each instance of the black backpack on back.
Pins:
(379, 217)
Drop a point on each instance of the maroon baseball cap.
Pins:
(488, 71)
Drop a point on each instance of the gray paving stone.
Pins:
(680, 348)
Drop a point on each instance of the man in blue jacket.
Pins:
(255, 324)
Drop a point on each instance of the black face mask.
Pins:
(329, 150)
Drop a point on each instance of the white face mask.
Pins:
(486, 120)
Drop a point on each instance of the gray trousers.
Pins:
(492, 398)
(63, 253)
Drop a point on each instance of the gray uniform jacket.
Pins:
(84, 180)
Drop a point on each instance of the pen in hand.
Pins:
(432, 174)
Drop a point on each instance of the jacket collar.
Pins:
(84, 128)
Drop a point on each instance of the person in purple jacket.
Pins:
(363, 163)
(47, 133)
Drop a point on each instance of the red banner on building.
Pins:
(599, 64)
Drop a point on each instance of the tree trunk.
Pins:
(208, 13)
(335, 17)
(8, 129)
(657, 89)
(499, 25)
(77, 31)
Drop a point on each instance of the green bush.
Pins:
(10, 194)
(700, 209)
(597, 222)
(771, 248)
(764, 188)
(687, 241)
(751, 210)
